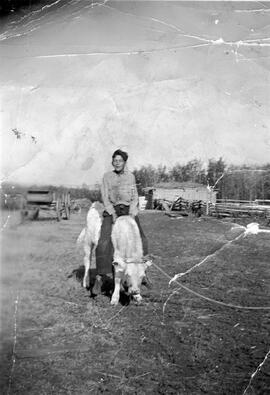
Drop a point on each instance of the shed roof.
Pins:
(179, 185)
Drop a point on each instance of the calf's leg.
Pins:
(117, 286)
(86, 261)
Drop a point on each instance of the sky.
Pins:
(165, 81)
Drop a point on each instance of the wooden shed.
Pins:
(187, 190)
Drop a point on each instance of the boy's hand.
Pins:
(114, 217)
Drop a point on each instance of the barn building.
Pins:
(173, 190)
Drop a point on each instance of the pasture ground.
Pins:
(56, 340)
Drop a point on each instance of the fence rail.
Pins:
(235, 201)
(235, 208)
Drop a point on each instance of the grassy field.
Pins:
(55, 339)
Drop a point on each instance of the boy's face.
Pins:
(118, 163)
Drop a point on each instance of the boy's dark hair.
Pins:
(121, 153)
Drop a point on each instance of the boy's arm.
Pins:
(105, 196)
(134, 203)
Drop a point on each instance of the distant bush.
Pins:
(12, 202)
(83, 203)
(80, 193)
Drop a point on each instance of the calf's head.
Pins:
(132, 273)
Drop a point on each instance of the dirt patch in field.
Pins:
(199, 335)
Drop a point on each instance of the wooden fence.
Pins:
(238, 208)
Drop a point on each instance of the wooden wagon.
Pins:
(45, 199)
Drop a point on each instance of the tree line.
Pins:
(230, 181)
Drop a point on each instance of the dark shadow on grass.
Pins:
(106, 288)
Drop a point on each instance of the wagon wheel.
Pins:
(67, 205)
(24, 214)
(31, 213)
(36, 213)
(58, 209)
(67, 211)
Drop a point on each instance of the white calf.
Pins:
(129, 266)
(90, 236)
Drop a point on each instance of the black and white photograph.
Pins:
(135, 197)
